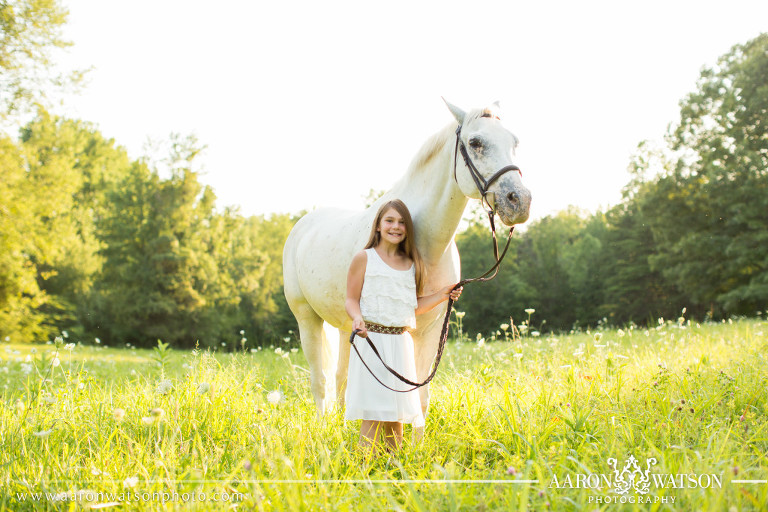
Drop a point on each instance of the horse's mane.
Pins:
(436, 142)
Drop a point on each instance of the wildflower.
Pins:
(131, 481)
(254, 350)
(7, 338)
(42, 433)
(275, 397)
(28, 359)
(147, 420)
(518, 355)
(511, 470)
(278, 351)
(58, 341)
(97, 340)
(118, 414)
(286, 339)
(56, 362)
(157, 413)
(242, 332)
(26, 368)
(65, 334)
(481, 342)
(294, 350)
(460, 314)
(620, 333)
(522, 327)
(504, 327)
(164, 387)
(535, 334)
(530, 311)
(69, 346)
(203, 388)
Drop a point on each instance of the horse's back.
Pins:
(316, 258)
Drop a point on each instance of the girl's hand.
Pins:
(455, 294)
(359, 324)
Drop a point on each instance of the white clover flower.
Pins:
(7, 338)
(460, 314)
(275, 397)
(65, 334)
(42, 433)
(504, 327)
(278, 351)
(28, 359)
(69, 346)
(56, 362)
(535, 334)
(164, 387)
(481, 342)
(598, 336)
(530, 311)
(131, 481)
(286, 339)
(26, 368)
(620, 333)
(97, 340)
(242, 332)
(522, 327)
(254, 350)
(118, 414)
(294, 350)
(203, 388)
(147, 420)
(157, 413)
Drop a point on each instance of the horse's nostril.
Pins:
(513, 197)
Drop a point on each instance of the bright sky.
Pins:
(305, 104)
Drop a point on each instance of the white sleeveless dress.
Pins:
(388, 298)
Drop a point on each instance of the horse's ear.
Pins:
(457, 112)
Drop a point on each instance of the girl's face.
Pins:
(392, 227)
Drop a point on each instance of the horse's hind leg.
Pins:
(342, 366)
(316, 350)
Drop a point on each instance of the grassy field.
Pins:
(536, 423)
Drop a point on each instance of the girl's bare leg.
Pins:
(369, 432)
(393, 434)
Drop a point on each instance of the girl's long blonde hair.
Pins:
(408, 246)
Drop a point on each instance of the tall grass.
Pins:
(506, 418)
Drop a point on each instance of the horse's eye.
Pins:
(475, 143)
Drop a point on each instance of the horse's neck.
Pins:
(435, 201)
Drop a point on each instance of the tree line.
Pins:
(122, 250)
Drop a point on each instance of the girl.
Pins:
(383, 288)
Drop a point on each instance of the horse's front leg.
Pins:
(425, 343)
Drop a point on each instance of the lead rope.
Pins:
(444, 333)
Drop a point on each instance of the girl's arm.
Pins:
(428, 302)
(355, 278)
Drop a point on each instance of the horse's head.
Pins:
(484, 164)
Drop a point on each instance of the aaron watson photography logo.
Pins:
(632, 482)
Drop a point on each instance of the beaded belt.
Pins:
(383, 329)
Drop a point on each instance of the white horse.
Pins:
(320, 247)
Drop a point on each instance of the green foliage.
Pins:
(30, 34)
